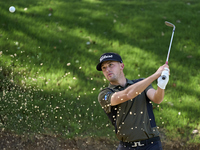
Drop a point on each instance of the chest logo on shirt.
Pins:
(106, 96)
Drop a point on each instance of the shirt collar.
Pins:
(128, 82)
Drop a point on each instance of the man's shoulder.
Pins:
(106, 90)
(133, 81)
(104, 99)
(137, 80)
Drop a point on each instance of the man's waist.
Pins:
(140, 143)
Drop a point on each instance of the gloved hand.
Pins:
(163, 82)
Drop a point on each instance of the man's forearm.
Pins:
(158, 95)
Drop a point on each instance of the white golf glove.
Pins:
(163, 82)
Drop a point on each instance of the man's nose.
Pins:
(107, 69)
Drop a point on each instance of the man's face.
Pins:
(112, 70)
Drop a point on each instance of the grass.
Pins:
(48, 80)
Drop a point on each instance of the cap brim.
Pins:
(98, 67)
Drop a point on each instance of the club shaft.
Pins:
(170, 46)
(169, 24)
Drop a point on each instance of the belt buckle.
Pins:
(137, 144)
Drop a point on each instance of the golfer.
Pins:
(128, 103)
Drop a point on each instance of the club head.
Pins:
(169, 24)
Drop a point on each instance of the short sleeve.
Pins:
(104, 99)
(149, 87)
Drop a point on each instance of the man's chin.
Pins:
(111, 79)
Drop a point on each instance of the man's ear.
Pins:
(121, 66)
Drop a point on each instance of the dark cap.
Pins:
(108, 56)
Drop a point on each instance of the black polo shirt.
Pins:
(134, 119)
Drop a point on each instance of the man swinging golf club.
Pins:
(128, 103)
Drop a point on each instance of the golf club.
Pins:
(170, 25)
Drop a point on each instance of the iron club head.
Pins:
(170, 24)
